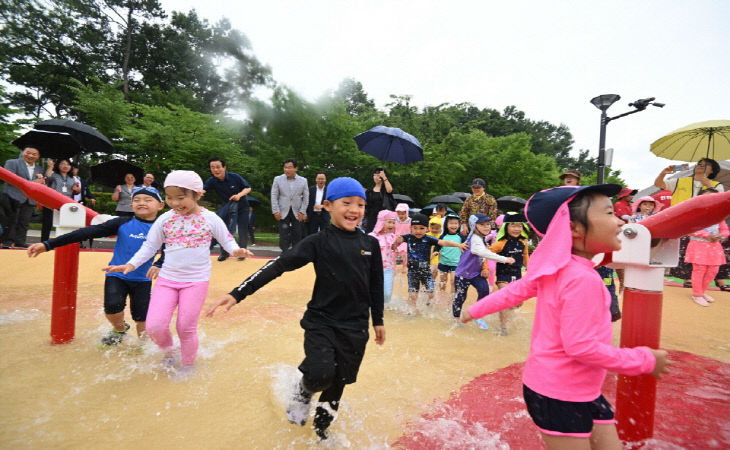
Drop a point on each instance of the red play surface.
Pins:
(692, 411)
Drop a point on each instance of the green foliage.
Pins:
(44, 44)
(8, 130)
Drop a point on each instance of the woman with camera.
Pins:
(378, 198)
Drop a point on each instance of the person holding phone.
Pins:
(378, 197)
(683, 188)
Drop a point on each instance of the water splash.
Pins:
(21, 315)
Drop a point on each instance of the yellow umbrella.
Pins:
(710, 139)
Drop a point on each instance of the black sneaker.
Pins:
(224, 255)
(322, 421)
(114, 337)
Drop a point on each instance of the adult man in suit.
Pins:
(15, 225)
(289, 201)
(317, 216)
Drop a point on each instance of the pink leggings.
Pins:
(702, 276)
(188, 297)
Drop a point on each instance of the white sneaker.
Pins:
(700, 300)
(297, 411)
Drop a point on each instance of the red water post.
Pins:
(66, 259)
(644, 260)
(636, 396)
(65, 286)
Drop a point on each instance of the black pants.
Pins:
(290, 231)
(234, 219)
(15, 220)
(46, 224)
(318, 221)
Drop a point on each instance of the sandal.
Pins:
(724, 288)
(687, 284)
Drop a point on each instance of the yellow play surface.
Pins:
(76, 395)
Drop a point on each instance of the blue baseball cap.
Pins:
(344, 187)
(541, 207)
(481, 218)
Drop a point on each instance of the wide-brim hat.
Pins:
(541, 207)
(626, 191)
(572, 172)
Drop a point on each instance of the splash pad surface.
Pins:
(77, 395)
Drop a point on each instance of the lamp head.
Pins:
(604, 101)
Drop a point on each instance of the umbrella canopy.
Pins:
(428, 210)
(710, 139)
(511, 203)
(446, 199)
(111, 173)
(461, 195)
(50, 144)
(400, 198)
(390, 144)
(87, 136)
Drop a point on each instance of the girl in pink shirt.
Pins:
(570, 349)
(187, 230)
(705, 252)
(383, 232)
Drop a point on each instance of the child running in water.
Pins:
(469, 271)
(131, 232)
(435, 227)
(571, 346)
(402, 226)
(187, 231)
(511, 242)
(383, 232)
(419, 253)
(705, 252)
(348, 289)
(449, 256)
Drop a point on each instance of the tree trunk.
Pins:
(127, 51)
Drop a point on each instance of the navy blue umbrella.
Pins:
(428, 210)
(390, 144)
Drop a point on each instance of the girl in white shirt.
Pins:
(187, 231)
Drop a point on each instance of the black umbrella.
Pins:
(428, 210)
(50, 144)
(111, 173)
(511, 203)
(446, 199)
(253, 201)
(403, 199)
(461, 195)
(390, 144)
(87, 136)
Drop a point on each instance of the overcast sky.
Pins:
(546, 58)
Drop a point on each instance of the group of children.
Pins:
(571, 339)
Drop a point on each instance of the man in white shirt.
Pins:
(317, 217)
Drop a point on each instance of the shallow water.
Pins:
(78, 396)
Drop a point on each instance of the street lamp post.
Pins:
(603, 102)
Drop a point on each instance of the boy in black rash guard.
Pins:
(348, 289)
(131, 232)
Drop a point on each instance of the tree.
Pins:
(8, 130)
(45, 44)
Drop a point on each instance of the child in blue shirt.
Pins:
(419, 254)
(449, 256)
(131, 232)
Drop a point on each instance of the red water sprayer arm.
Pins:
(689, 216)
